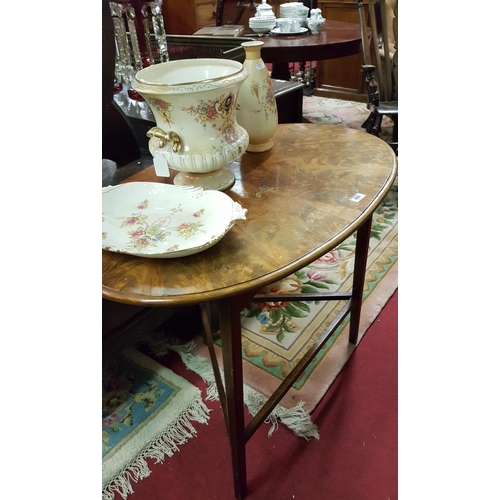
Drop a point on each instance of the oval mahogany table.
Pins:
(317, 186)
(337, 39)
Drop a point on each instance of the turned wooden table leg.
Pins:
(230, 330)
(361, 259)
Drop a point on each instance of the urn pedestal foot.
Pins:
(218, 180)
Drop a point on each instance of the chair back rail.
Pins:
(376, 45)
(380, 57)
(389, 87)
(376, 51)
(365, 40)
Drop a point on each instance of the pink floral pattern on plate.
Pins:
(146, 233)
(164, 221)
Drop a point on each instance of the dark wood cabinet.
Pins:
(341, 78)
(184, 17)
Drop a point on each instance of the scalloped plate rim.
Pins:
(183, 252)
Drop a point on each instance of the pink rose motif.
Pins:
(131, 221)
(286, 285)
(211, 113)
(330, 259)
(111, 420)
(161, 104)
(316, 275)
(137, 234)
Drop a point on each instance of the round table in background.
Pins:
(338, 39)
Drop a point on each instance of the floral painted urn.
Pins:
(194, 105)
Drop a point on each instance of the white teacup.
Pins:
(296, 24)
(284, 24)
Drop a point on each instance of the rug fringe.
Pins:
(296, 418)
(166, 443)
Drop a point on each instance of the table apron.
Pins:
(309, 53)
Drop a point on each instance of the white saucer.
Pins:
(276, 31)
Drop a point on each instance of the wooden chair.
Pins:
(240, 9)
(197, 46)
(380, 64)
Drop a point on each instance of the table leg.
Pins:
(280, 71)
(230, 331)
(361, 259)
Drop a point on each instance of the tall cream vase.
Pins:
(256, 108)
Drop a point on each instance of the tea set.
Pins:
(293, 19)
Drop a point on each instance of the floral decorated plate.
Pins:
(155, 220)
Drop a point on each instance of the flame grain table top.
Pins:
(303, 199)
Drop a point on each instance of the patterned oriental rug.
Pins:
(337, 111)
(276, 335)
(146, 413)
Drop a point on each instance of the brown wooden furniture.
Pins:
(341, 78)
(338, 39)
(184, 17)
(317, 186)
(378, 68)
(240, 8)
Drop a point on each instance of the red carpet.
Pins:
(356, 457)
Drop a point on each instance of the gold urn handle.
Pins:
(165, 137)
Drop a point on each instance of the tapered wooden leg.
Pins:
(395, 128)
(230, 330)
(369, 122)
(360, 261)
(377, 125)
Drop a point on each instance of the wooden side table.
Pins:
(317, 186)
